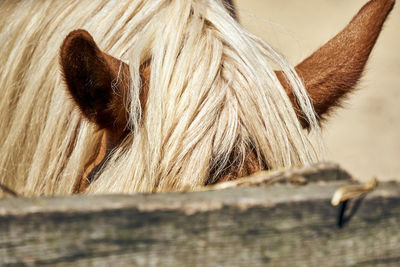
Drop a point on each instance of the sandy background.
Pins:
(364, 137)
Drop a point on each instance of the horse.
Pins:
(161, 95)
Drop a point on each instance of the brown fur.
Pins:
(328, 74)
(251, 165)
(333, 71)
(90, 75)
(92, 163)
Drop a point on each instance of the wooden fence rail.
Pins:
(281, 225)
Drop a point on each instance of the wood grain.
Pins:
(279, 225)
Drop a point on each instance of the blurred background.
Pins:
(364, 135)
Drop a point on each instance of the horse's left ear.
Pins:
(96, 81)
(334, 70)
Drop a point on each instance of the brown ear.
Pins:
(334, 69)
(96, 81)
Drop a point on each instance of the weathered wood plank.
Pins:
(280, 225)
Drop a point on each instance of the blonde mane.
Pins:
(213, 95)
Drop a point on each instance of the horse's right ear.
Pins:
(95, 80)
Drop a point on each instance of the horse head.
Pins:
(99, 83)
